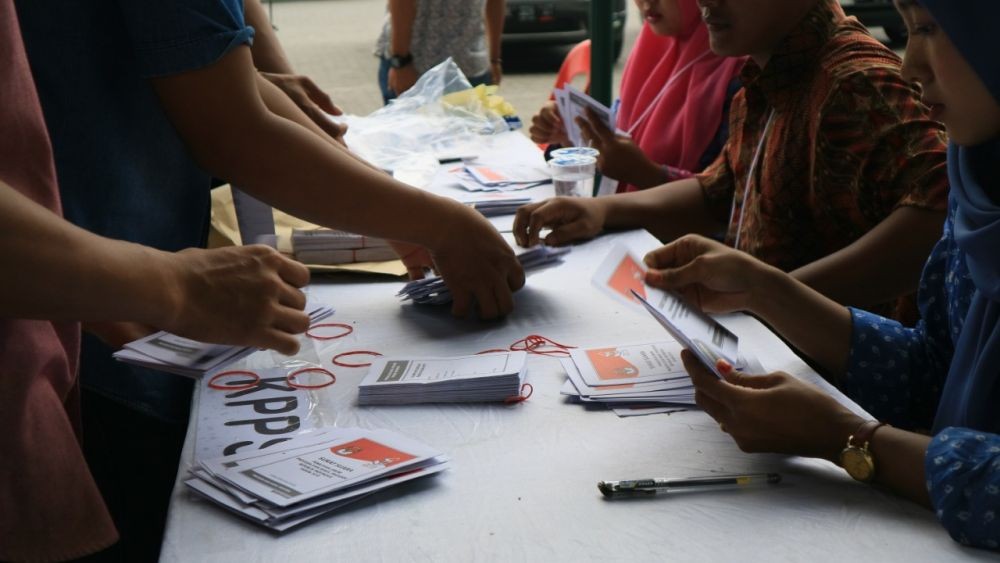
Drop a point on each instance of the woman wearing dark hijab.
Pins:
(943, 374)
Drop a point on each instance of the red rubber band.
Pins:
(522, 397)
(533, 342)
(346, 365)
(290, 378)
(349, 328)
(492, 351)
(213, 385)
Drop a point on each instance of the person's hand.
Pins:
(620, 157)
(547, 126)
(570, 218)
(246, 296)
(496, 72)
(712, 276)
(416, 258)
(476, 263)
(311, 100)
(774, 413)
(402, 79)
(117, 334)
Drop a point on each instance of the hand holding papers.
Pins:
(312, 474)
(573, 103)
(433, 291)
(175, 354)
(402, 381)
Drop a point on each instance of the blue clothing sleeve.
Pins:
(183, 35)
(963, 478)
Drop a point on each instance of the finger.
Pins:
(319, 117)
(291, 297)
(291, 321)
(522, 219)
(740, 379)
(292, 272)
(280, 341)
(588, 132)
(486, 300)
(318, 96)
(515, 277)
(567, 233)
(415, 272)
(597, 126)
(544, 216)
(504, 300)
(704, 380)
(460, 303)
(713, 408)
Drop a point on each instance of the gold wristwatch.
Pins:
(856, 458)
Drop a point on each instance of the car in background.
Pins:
(878, 13)
(557, 22)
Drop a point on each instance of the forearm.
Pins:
(61, 272)
(494, 18)
(815, 325)
(268, 54)
(668, 211)
(402, 14)
(880, 266)
(899, 456)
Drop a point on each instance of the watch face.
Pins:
(858, 463)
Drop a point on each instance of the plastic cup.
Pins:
(573, 151)
(573, 174)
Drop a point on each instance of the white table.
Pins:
(523, 484)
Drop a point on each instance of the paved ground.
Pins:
(332, 42)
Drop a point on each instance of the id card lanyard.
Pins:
(750, 174)
(663, 91)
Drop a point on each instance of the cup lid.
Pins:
(573, 160)
(566, 151)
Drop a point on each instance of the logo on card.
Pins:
(374, 453)
(628, 277)
(609, 364)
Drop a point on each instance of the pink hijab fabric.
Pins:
(687, 116)
(50, 507)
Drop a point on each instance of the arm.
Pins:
(222, 115)
(235, 296)
(494, 17)
(270, 59)
(402, 14)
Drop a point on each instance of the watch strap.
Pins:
(863, 435)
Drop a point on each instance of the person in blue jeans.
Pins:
(934, 389)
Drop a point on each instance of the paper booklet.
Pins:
(329, 246)
(182, 356)
(433, 291)
(312, 474)
(621, 275)
(401, 381)
(573, 103)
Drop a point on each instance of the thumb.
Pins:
(741, 379)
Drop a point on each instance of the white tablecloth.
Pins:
(523, 484)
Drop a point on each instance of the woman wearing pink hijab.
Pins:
(674, 102)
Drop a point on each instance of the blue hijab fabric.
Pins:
(971, 395)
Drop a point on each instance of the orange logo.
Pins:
(372, 452)
(628, 276)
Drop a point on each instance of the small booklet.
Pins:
(182, 356)
(478, 378)
(312, 474)
(494, 203)
(433, 291)
(573, 103)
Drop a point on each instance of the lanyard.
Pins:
(663, 91)
(750, 174)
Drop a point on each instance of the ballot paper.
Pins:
(499, 177)
(312, 474)
(479, 378)
(330, 246)
(573, 103)
(621, 275)
(182, 356)
(433, 291)
(491, 204)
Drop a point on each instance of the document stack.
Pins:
(573, 103)
(636, 374)
(327, 246)
(313, 474)
(480, 378)
(175, 354)
(433, 291)
(493, 203)
(499, 178)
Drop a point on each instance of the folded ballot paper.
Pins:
(633, 374)
(479, 378)
(433, 291)
(329, 246)
(499, 177)
(492, 204)
(175, 354)
(573, 103)
(312, 474)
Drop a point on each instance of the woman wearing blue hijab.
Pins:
(935, 388)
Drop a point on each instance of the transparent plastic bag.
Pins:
(440, 117)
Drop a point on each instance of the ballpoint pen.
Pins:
(647, 487)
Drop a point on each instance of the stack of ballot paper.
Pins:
(628, 375)
(572, 103)
(433, 291)
(500, 178)
(480, 378)
(327, 246)
(312, 474)
(493, 203)
(175, 354)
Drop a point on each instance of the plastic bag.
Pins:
(439, 118)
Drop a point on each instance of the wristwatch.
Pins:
(399, 61)
(856, 458)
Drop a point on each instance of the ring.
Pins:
(349, 328)
(290, 378)
(346, 365)
(239, 386)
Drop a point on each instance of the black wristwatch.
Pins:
(399, 61)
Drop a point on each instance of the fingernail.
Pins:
(653, 276)
(724, 366)
(648, 260)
